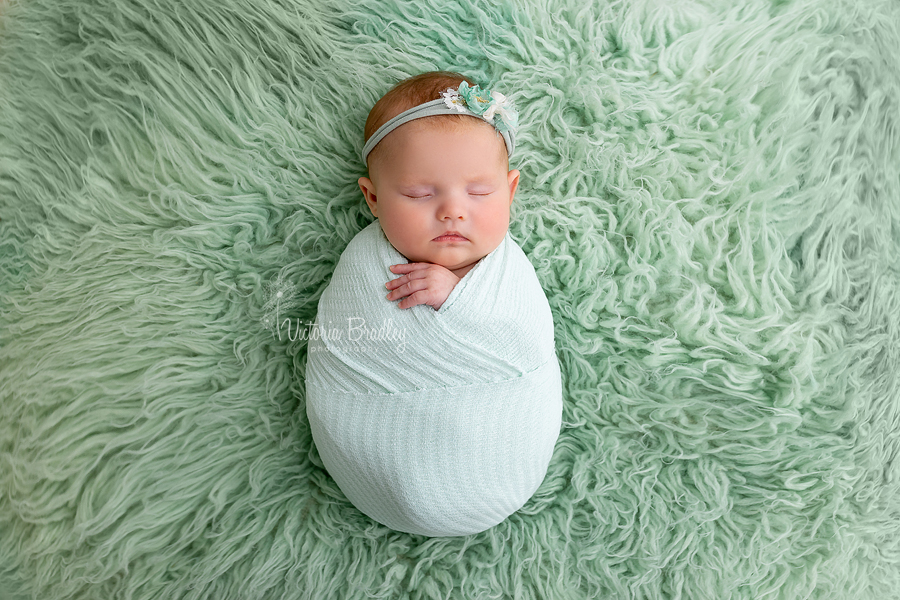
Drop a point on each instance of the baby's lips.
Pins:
(449, 236)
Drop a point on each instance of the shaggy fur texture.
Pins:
(710, 196)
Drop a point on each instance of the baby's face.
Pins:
(442, 193)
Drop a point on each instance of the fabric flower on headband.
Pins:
(484, 103)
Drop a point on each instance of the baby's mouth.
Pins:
(450, 236)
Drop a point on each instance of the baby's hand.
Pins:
(422, 283)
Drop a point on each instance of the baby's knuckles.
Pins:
(424, 283)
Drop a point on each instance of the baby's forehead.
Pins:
(448, 122)
(427, 126)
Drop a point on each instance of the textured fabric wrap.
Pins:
(439, 423)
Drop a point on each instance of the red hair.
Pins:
(409, 93)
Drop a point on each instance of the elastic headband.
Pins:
(493, 107)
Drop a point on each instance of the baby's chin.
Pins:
(462, 267)
(458, 268)
(459, 260)
(461, 271)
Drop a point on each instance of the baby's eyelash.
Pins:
(420, 196)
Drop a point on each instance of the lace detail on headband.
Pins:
(493, 107)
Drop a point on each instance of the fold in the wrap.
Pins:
(438, 423)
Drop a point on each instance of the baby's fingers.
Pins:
(409, 267)
(395, 283)
(420, 297)
(407, 288)
(404, 279)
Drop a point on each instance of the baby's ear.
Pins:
(513, 179)
(368, 190)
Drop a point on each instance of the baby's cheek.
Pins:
(496, 224)
(397, 236)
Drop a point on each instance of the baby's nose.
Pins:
(451, 208)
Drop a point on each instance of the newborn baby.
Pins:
(436, 406)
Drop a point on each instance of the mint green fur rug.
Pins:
(710, 196)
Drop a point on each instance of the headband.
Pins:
(493, 107)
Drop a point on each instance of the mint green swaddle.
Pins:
(439, 423)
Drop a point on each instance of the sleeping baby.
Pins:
(433, 387)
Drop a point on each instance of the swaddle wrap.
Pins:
(439, 423)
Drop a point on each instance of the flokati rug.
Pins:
(710, 197)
